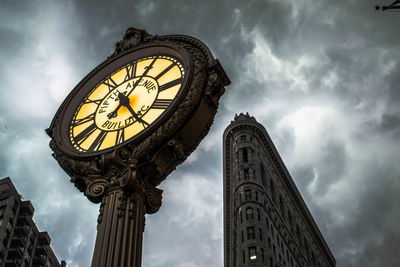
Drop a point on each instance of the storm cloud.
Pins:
(323, 77)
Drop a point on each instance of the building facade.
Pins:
(266, 222)
(21, 243)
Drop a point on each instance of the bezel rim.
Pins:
(66, 111)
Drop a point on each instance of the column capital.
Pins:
(129, 182)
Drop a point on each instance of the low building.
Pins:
(21, 243)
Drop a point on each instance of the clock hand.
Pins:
(136, 116)
(114, 113)
(149, 67)
(124, 101)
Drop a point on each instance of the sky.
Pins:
(322, 76)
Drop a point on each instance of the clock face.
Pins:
(126, 102)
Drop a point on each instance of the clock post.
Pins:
(128, 124)
(121, 220)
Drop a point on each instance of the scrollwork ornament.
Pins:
(132, 38)
(122, 156)
(96, 189)
(153, 199)
(129, 180)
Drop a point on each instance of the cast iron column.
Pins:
(121, 222)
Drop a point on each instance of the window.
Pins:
(263, 180)
(251, 233)
(281, 205)
(298, 231)
(262, 254)
(256, 195)
(261, 234)
(243, 256)
(249, 213)
(2, 210)
(258, 215)
(290, 219)
(247, 194)
(242, 236)
(27, 256)
(245, 156)
(306, 247)
(15, 206)
(246, 174)
(273, 193)
(241, 215)
(3, 202)
(252, 253)
(243, 138)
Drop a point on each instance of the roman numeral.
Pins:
(161, 103)
(98, 141)
(144, 123)
(110, 83)
(170, 84)
(120, 136)
(165, 71)
(80, 138)
(78, 122)
(147, 68)
(89, 101)
(130, 71)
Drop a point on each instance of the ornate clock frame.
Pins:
(124, 179)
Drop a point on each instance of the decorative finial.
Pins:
(132, 38)
(243, 116)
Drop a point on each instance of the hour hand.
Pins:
(114, 113)
(123, 101)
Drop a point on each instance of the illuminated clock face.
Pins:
(126, 103)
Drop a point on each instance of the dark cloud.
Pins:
(322, 76)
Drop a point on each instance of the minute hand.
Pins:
(144, 74)
(124, 101)
(134, 114)
(114, 113)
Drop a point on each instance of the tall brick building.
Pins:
(266, 222)
(21, 243)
